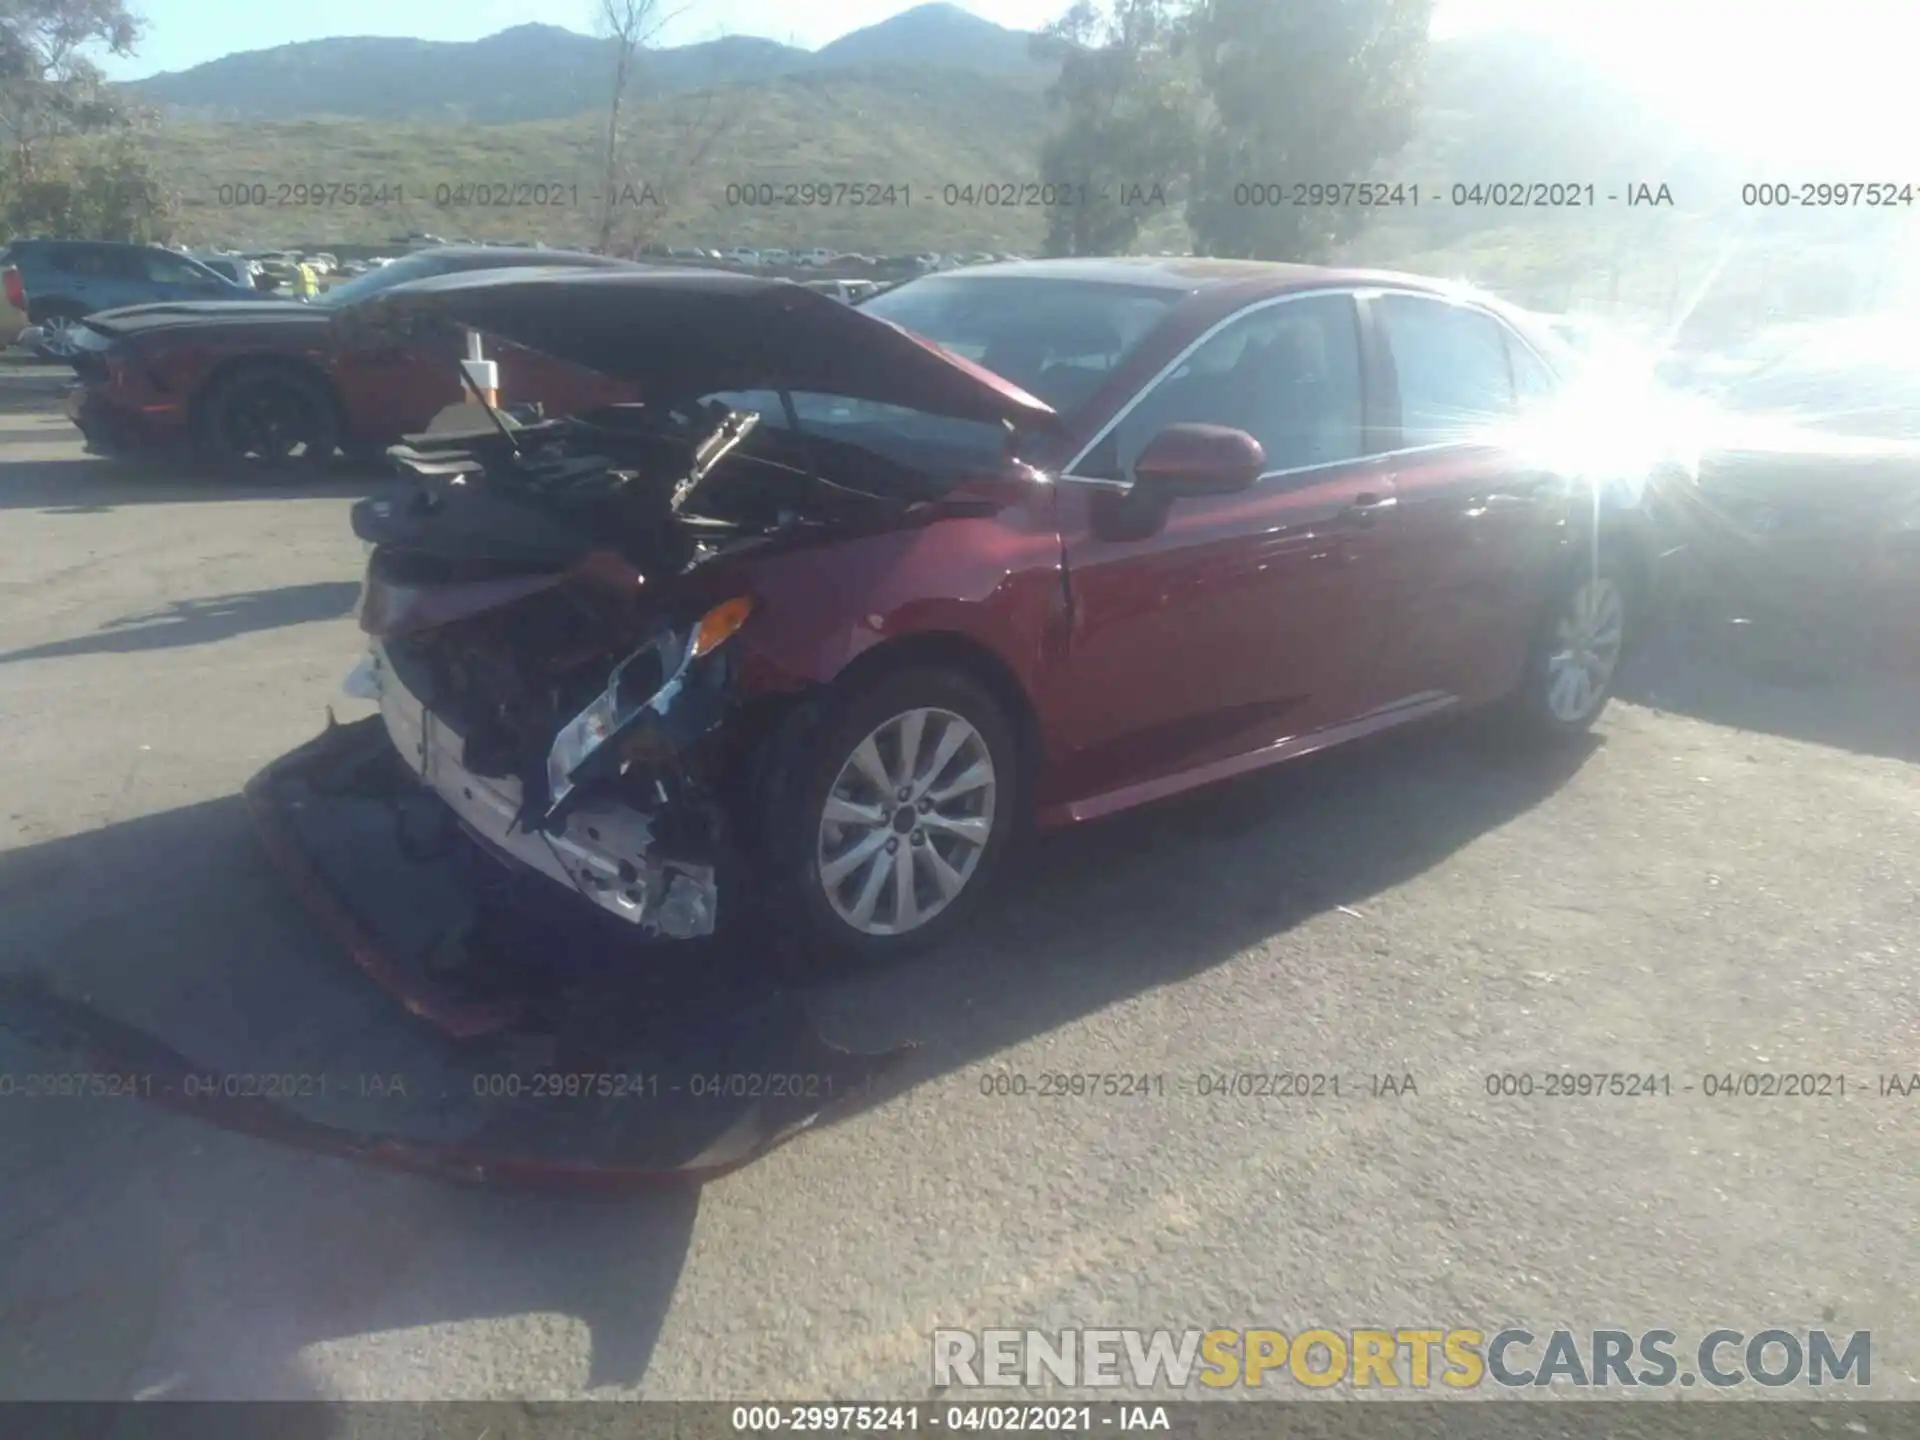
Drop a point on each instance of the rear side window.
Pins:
(96, 262)
(1450, 367)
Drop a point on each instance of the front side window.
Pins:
(1288, 374)
(1450, 365)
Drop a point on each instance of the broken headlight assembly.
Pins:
(648, 680)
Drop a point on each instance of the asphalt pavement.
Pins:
(1722, 883)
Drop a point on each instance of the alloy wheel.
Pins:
(57, 335)
(1586, 650)
(271, 424)
(906, 821)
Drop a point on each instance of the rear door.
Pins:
(123, 278)
(1242, 620)
(79, 273)
(1479, 520)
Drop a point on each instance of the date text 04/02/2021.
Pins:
(448, 195)
(981, 1415)
(1202, 1084)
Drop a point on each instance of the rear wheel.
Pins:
(1576, 654)
(270, 423)
(889, 811)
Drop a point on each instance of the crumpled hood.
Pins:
(680, 335)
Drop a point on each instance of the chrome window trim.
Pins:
(1356, 293)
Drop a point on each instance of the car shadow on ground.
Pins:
(87, 484)
(1151, 897)
(204, 620)
(146, 1251)
(35, 393)
(151, 1251)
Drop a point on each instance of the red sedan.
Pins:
(861, 591)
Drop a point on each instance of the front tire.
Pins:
(270, 423)
(1575, 660)
(888, 812)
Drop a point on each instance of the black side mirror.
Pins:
(1199, 460)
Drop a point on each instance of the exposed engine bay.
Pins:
(541, 654)
(666, 490)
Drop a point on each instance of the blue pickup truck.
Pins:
(59, 282)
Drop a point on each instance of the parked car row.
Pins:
(62, 281)
(821, 257)
(850, 291)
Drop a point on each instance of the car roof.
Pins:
(1189, 274)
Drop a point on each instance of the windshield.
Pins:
(414, 267)
(1055, 339)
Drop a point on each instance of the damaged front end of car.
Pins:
(558, 699)
(614, 813)
(552, 608)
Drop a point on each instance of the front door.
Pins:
(1238, 621)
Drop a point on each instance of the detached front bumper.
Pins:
(668, 1078)
(605, 852)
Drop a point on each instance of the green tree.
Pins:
(1314, 91)
(49, 85)
(73, 167)
(1124, 106)
(92, 190)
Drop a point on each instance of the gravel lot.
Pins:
(1724, 881)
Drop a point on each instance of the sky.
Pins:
(1793, 83)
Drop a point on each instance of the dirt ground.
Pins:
(1723, 882)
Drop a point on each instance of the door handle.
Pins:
(1366, 507)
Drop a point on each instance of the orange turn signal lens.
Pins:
(719, 623)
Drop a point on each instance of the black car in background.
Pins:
(1805, 501)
